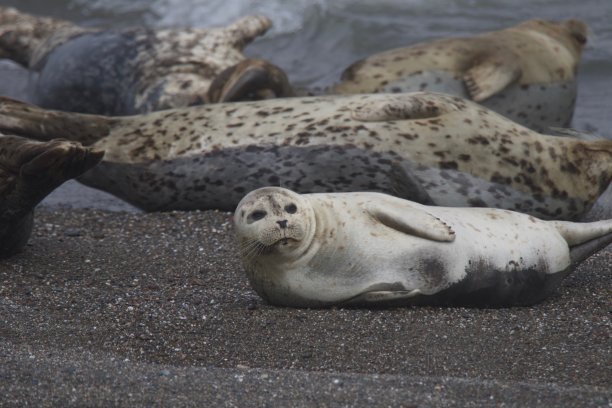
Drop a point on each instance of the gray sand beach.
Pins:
(117, 309)
(109, 306)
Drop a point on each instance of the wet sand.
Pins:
(115, 308)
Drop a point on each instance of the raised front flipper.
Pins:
(417, 105)
(491, 74)
(411, 221)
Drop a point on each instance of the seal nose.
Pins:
(282, 223)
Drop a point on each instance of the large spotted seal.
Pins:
(427, 147)
(29, 171)
(124, 71)
(317, 250)
(527, 72)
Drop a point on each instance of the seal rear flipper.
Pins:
(584, 238)
(29, 171)
(34, 169)
(246, 29)
(579, 253)
(30, 121)
(411, 221)
(406, 185)
(22, 35)
(491, 74)
(249, 80)
(576, 134)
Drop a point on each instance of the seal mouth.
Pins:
(284, 242)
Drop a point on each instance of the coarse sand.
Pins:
(129, 309)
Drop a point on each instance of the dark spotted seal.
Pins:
(124, 71)
(527, 72)
(317, 250)
(428, 147)
(29, 171)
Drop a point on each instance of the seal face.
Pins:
(29, 171)
(430, 148)
(526, 73)
(124, 71)
(374, 249)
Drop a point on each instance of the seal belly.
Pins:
(486, 286)
(453, 188)
(483, 285)
(536, 106)
(219, 179)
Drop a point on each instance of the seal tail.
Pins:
(21, 34)
(32, 122)
(584, 239)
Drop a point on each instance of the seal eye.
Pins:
(291, 208)
(580, 38)
(258, 215)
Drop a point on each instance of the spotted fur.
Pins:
(122, 71)
(374, 249)
(527, 72)
(457, 152)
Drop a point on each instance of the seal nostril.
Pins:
(282, 223)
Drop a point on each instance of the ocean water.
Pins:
(314, 40)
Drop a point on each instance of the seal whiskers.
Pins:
(375, 249)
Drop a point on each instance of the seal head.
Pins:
(273, 221)
(274, 226)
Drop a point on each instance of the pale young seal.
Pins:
(29, 171)
(527, 72)
(427, 147)
(317, 250)
(123, 71)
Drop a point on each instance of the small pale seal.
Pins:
(430, 148)
(29, 171)
(318, 250)
(125, 71)
(527, 72)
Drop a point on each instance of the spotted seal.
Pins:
(428, 147)
(317, 250)
(123, 71)
(29, 171)
(526, 72)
